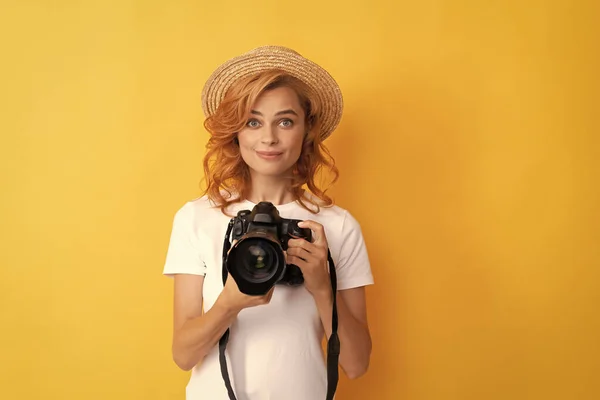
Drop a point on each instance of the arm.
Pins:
(195, 333)
(353, 329)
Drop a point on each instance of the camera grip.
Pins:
(295, 231)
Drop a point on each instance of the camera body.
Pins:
(256, 261)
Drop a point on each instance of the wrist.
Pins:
(322, 295)
(226, 307)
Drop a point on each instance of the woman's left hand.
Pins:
(311, 258)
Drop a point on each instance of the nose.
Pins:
(269, 135)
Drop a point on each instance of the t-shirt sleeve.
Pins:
(353, 268)
(183, 256)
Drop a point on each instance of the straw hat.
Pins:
(282, 58)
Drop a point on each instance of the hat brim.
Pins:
(277, 57)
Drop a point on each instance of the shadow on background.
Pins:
(411, 179)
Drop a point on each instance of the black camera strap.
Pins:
(225, 338)
(333, 344)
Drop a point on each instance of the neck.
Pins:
(272, 189)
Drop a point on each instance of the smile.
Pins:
(269, 155)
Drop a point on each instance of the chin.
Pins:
(270, 170)
(273, 173)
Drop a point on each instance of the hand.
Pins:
(236, 301)
(311, 258)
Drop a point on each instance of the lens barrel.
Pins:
(256, 262)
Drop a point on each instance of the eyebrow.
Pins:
(283, 112)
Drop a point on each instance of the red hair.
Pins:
(224, 168)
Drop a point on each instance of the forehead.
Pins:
(279, 98)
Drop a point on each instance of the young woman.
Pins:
(268, 112)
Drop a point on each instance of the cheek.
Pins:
(245, 145)
(247, 155)
(243, 139)
(295, 144)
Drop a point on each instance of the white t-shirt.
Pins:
(274, 350)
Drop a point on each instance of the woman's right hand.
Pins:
(234, 300)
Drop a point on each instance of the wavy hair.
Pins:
(224, 168)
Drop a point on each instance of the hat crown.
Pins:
(274, 49)
(283, 58)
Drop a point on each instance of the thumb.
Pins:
(315, 228)
(270, 293)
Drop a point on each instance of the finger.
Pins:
(310, 258)
(299, 262)
(317, 230)
(302, 247)
(298, 251)
(301, 243)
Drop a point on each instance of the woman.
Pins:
(268, 112)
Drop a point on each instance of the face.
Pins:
(271, 142)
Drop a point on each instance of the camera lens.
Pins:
(257, 260)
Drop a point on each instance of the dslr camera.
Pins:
(256, 261)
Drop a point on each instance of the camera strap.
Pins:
(333, 344)
(225, 338)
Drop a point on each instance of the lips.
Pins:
(269, 153)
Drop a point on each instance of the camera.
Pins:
(256, 261)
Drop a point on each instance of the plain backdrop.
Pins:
(468, 150)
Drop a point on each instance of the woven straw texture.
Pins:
(277, 57)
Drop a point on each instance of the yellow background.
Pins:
(468, 152)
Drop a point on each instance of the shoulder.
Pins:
(201, 204)
(335, 213)
(337, 219)
(345, 220)
(320, 210)
(196, 206)
(198, 209)
(200, 220)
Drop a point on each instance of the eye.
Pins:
(286, 123)
(253, 123)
